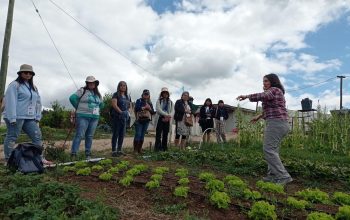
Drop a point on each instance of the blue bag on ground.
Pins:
(26, 158)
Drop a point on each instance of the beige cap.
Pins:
(26, 68)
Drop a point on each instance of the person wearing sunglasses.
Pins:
(22, 110)
(276, 117)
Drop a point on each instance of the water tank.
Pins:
(306, 104)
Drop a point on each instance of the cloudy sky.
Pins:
(212, 48)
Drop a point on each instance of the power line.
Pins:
(110, 46)
(53, 42)
(306, 87)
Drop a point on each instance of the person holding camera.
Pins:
(276, 117)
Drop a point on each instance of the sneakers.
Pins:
(117, 154)
(283, 181)
(268, 178)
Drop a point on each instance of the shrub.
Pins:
(84, 171)
(314, 195)
(220, 199)
(262, 211)
(319, 216)
(343, 213)
(270, 187)
(183, 181)
(341, 198)
(153, 184)
(297, 204)
(181, 191)
(160, 170)
(206, 176)
(105, 176)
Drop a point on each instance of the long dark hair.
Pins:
(205, 102)
(20, 80)
(95, 89)
(275, 81)
(118, 88)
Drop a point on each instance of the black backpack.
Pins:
(26, 158)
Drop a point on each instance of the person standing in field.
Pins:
(121, 103)
(144, 111)
(22, 110)
(220, 115)
(183, 119)
(206, 119)
(165, 109)
(276, 117)
(87, 101)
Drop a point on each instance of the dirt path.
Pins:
(105, 144)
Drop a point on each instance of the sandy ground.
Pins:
(105, 144)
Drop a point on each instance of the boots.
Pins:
(139, 148)
(183, 144)
(135, 146)
(177, 142)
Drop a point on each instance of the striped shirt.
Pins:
(273, 103)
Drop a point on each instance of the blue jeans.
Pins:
(118, 132)
(140, 130)
(84, 127)
(29, 126)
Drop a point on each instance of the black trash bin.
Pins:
(306, 104)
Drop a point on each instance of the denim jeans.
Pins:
(29, 126)
(140, 130)
(118, 132)
(84, 127)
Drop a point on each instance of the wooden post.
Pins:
(5, 49)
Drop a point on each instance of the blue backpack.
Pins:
(26, 158)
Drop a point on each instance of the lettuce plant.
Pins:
(262, 210)
(206, 176)
(81, 164)
(341, 198)
(156, 177)
(113, 170)
(314, 195)
(343, 213)
(69, 168)
(270, 187)
(84, 171)
(297, 204)
(183, 181)
(126, 181)
(105, 176)
(160, 170)
(181, 172)
(215, 185)
(153, 184)
(319, 216)
(220, 199)
(105, 162)
(96, 168)
(181, 191)
(253, 195)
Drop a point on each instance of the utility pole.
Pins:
(341, 91)
(5, 49)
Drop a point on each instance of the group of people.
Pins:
(22, 111)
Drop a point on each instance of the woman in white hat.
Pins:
(22, 110)
(165, 111)
(87, 101)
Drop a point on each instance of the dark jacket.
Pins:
(203, 114)
(141, 103)
(180, 110)
(220, 112)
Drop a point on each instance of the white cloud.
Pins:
(215, 48)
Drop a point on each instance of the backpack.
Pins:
(26, 158)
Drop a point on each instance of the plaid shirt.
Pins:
(273, 103)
